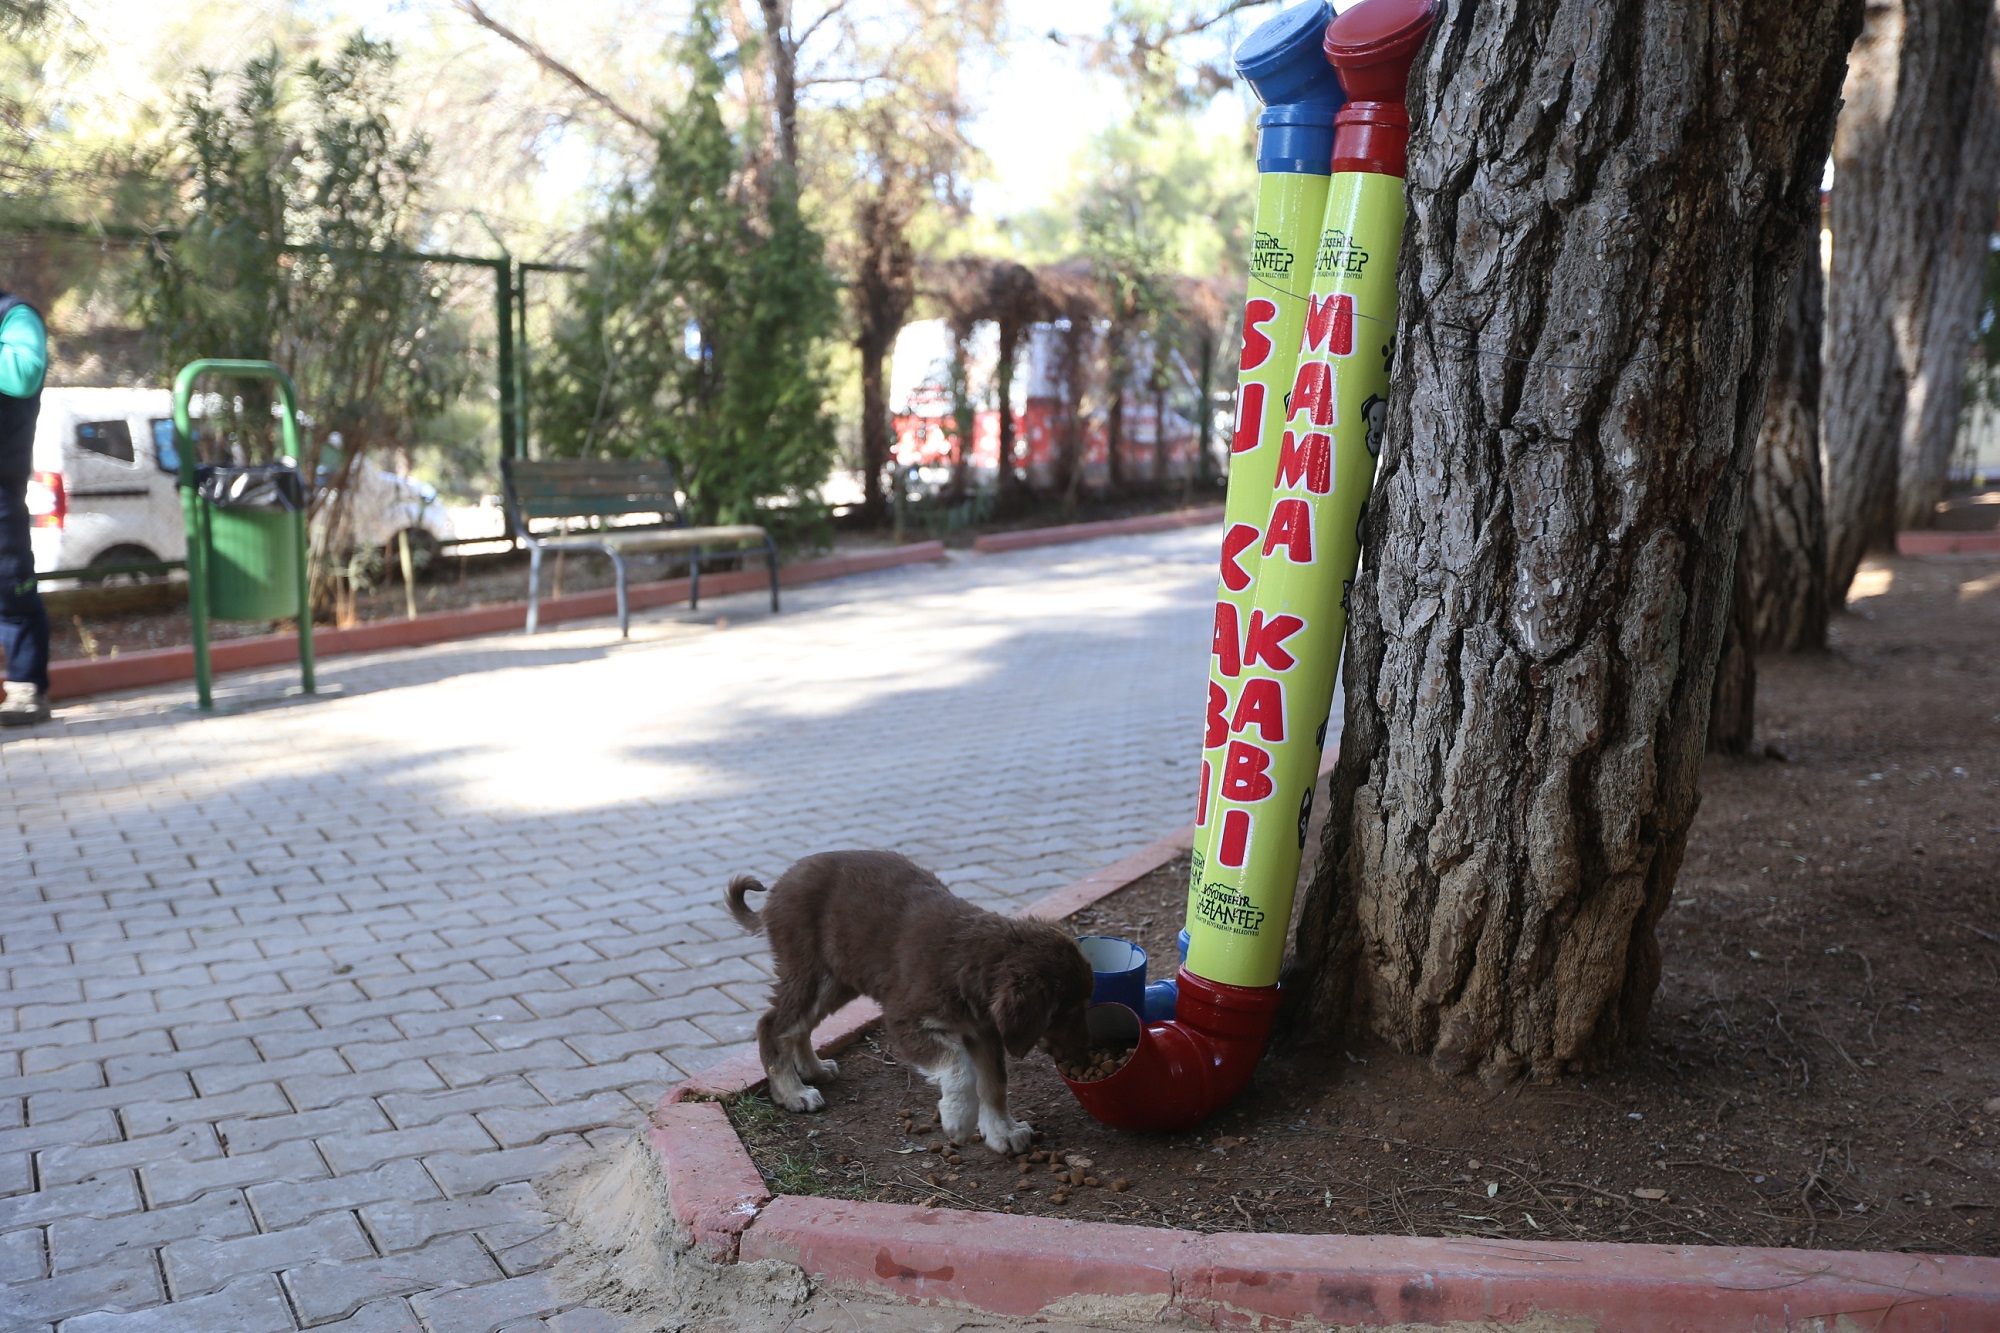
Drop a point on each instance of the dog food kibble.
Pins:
(1024, 1168)
(953, 1158)
(1121, 1184)
(1101, 1063)
(1092, 1181)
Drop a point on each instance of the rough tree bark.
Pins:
(1778, 597)
(1609, 198)
(1784, 530)
(1732, 706)
(881, 290)
(1915, 162)
(784, 56)
(1014, 300)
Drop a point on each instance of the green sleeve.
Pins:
(24, 353)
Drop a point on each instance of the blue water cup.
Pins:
(1119, 967)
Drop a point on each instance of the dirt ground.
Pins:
(1823, 1067)
(484, 580)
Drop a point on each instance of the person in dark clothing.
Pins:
(24, 621)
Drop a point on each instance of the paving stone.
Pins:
(108, 1195)
(213, 1079)
(197, 1267)
(66, 1166)
(126, 1282)
(253, 1305)
(23, 1256)
(148, 1117)
(286, 1204)
(326, 1291)
(356, 1116)
(98, 1126)
(313, 1092)
(460, 1070)
(172, 1182)
(423, 1108)
(587, 1320)
(217, 1215)
(399, 1226)
(486, 1309)
(392, 1316)
(513, 1128)
(474, 1173)
(360, 1152)
(561, 1085)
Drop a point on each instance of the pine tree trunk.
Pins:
(1008, 482)
(1957, 280)
(1608, 201)
(1732, 708)
(1784, 533)
(877, 433)
(1913, 199)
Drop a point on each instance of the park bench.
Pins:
(576, 500)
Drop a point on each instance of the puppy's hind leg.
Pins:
(813, 1069)
(782, 1034)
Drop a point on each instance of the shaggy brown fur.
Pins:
(961, 988)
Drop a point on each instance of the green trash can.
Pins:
(246, 527)
(254, 532)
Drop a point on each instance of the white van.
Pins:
(104, 488)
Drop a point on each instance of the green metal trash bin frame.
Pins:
(196, 514)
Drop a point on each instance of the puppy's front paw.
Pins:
(1005, 1135)
(821, 1071)
(805, 1099)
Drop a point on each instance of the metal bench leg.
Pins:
(534, 586)
(694, 580)
(771, 562)
(624, 611)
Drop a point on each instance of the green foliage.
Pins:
(700, 331)
(297, 212)
(1192, 189)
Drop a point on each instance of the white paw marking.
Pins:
(806, 1099)
(1004, 1134)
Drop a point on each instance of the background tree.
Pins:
(1778, 598)
(1608, 203)
(700, 332)
(1784, 530)
(297, 204)
(885, 168)
(1916, 170)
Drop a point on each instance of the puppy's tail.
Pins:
(739, 909)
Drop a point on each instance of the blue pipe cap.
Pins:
(1284, 62)
(1284, 59)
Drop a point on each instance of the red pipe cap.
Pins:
(1373, 44)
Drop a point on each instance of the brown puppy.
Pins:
(961, 988)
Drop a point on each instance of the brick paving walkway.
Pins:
(300, 999)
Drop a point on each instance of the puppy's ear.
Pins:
(1021, 1010)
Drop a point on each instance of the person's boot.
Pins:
(25, 705)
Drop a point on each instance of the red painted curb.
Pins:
(1009, 1265)
(994, 543)
(1948, 543)
(1263, 1281)
(159, 666)
(712, 1185)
